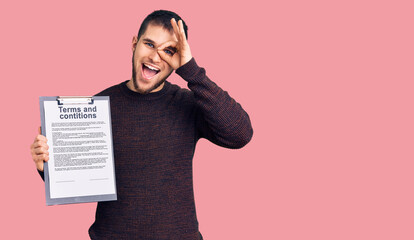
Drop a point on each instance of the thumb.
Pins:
(164, 56)
(40, 130)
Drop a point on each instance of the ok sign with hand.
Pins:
(176, 53)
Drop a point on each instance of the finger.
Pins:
(182, 32)
(41, 158)
(172, 60)
(38, 144)
(40, 130)
(40, 163)
(167, 51)
(40, 138)
(172, 44)
(40, 151)
(40, 166)
(164, 56)
(175, 28)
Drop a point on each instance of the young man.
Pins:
(156, 126)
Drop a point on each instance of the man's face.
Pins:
(149, 70)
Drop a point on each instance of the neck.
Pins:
(130, 84)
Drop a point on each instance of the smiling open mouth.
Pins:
(149, 71)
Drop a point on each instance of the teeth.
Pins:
(150, 67)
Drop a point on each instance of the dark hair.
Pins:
(161, 18)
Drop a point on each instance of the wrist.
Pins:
(186, 60)
(187, 70)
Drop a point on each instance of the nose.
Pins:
(154, 56)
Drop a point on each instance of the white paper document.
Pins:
(81, 164)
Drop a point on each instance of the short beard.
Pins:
(135, 82)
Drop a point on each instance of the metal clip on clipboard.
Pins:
(68, 100)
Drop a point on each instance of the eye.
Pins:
(169, 52)
(149, 44)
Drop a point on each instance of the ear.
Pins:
(134, 43)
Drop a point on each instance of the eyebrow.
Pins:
(148, 40)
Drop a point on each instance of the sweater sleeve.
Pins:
(220, 118)
(42, 175)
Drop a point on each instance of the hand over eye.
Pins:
(176, 53)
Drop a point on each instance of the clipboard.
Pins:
(81, 165)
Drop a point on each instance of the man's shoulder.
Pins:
(181, 94)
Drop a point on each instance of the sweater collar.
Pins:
(149, 96)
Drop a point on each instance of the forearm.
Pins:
(227, 122)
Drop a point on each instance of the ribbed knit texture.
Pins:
(154, 137)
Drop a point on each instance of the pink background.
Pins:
(328, 86)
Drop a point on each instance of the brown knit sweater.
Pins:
(154, 137)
